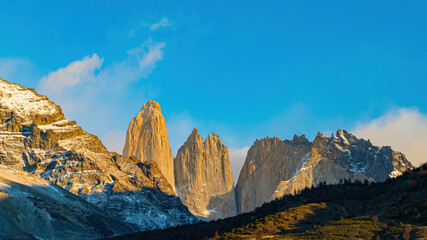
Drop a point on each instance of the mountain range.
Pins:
(36, 137)
(394, 209)
(146, 187)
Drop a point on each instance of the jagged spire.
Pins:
(147, 139)
(203, 172)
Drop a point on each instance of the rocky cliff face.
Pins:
(273, 167)
(36, 137)
(147, 139)
(34, 208)
(204, 181)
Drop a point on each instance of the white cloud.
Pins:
(144, 26)
(404, 129)
(139, 64)
(164, 22)
(92, 92)
(114, 140)
(237, 159)
(71, 75)
(147, 55)
(77, 87)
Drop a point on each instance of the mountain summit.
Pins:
(36, 137)
(274, 168)
(147, 139)
(204, 180)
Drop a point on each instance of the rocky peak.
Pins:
(266, 141)
(37, 138)
(212, 138)
(272, 169)
(151, 106)
(320, 139)
(194, 132)
(26, 103)
(213, 135)
(147, 139)
(300, 140)
(195, 136)
(319, 135)
(345, 137)
(204, 180)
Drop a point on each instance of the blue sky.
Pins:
(242, 69)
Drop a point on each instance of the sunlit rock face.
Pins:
(34, 208)
(147, 139)
(274, 168)
(203, 176)
(36, 137)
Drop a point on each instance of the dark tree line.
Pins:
(345, 190)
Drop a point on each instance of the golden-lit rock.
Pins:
(203, 176)
(274, 168)
(147, 140)
(36, 137)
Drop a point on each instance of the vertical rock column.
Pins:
(203, 176)
(147, 139)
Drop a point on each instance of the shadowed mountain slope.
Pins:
(31, 207)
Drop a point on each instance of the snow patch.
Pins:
(23, 101)
(356, 167)
(341, 135)
(395, 174)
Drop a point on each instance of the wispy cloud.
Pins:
(139, 64)
(89, 75)
(164, 22)
(404, 129)
(90, 91)
(71, 75)
(144, 26)
(147, 55)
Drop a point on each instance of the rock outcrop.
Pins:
(147, 139)
(273, 167)
(203, 176)
(36, 137)
(34, 208)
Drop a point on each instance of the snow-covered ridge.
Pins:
(37, 138)
(25, 101)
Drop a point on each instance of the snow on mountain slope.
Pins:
(36, 137)
(34, 208)
(25, 101)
